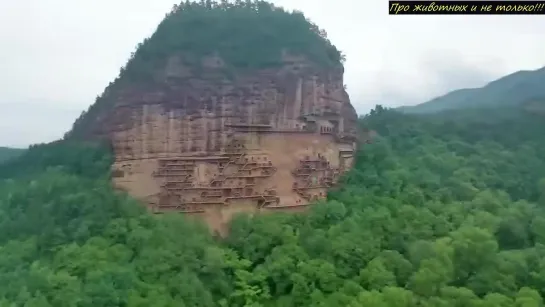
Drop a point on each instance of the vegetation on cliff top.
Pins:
(441, 210)
(247, 35)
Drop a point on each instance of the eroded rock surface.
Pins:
(274, 139)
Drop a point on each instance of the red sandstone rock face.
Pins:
(274, 139)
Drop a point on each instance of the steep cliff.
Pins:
(227, 108)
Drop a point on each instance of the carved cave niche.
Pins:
(117, 173)
(311, 126)
(227, 193)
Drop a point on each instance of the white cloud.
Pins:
(61, 54)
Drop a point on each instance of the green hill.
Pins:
(7, 153)
(514, 89)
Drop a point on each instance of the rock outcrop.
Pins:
(262, 140)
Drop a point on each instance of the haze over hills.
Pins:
(514, 89)
(7, 153)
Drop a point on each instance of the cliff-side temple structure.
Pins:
(228, 108)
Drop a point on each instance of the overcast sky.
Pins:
(58, 55)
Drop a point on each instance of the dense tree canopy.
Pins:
(245, 34)
(441, 210)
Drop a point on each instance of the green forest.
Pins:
(440, 210)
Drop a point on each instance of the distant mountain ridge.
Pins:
(7, 153)
(514, 89)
